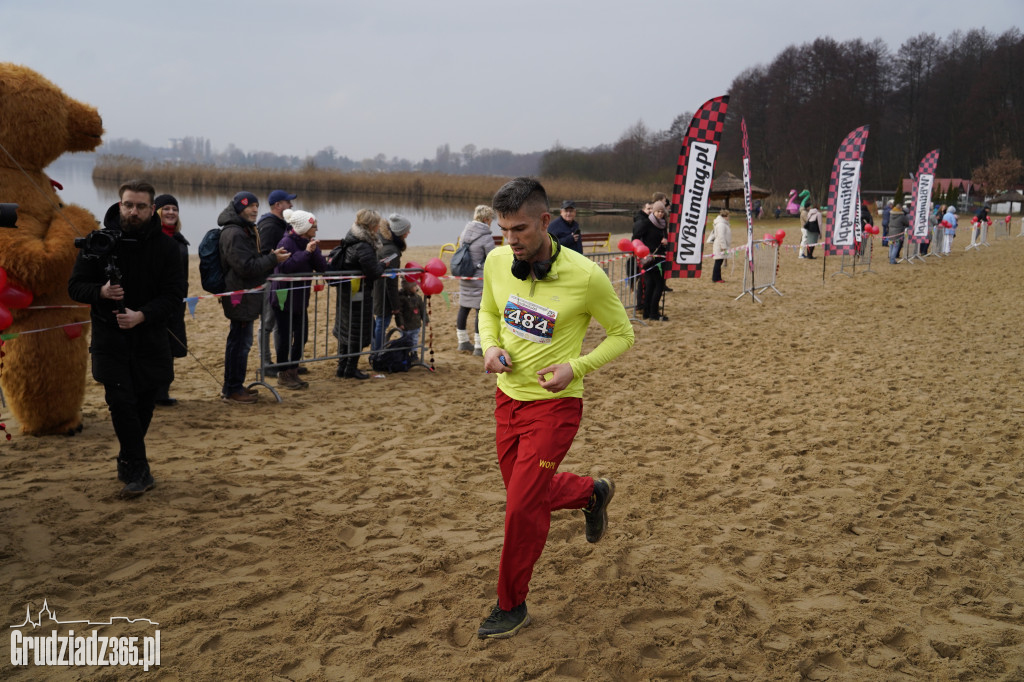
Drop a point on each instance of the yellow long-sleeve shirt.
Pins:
(543, 323)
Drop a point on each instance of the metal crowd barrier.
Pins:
(865, 255)
(845, 260)
(911, 251)
(937, 237)
(626, 278)
(862, 255)
(766, 270)
(322, 317)
(979, 236)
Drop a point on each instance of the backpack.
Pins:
(211, 271)
(336, 258)
(462, 264)
(396, 355)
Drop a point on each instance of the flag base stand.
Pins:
(753, 296)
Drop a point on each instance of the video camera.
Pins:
(8, 215)
(101, 243)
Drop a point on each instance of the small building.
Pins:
(943, 185)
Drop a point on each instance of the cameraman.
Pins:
(130, 273)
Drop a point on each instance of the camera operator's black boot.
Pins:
(139, 478)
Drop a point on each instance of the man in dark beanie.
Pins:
(245, 267)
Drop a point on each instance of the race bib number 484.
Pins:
(530, 321)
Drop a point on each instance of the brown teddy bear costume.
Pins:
(43, 374)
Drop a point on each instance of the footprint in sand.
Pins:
(352, 537)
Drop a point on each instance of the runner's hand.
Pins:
(493, 363)
(561, 375)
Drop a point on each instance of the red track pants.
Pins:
(532, 438)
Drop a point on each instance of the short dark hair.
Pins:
(136, 186)
(517, 193)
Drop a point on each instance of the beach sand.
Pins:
(826, 485)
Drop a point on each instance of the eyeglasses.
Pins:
(129, 206)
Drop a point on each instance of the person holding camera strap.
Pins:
(130, 273)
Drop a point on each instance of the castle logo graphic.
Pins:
(58, 648)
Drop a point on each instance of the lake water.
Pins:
(434, 221)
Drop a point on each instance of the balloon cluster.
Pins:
(12, 297)
(636, 247)
(777, 237)
(430, 277)
(871, 229)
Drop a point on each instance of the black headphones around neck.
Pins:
(521, 268)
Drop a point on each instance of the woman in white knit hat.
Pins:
(292, 321)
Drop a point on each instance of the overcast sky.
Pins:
(401, 77)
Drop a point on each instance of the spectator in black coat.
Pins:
(654, 234)
(354, 322)
(167, 210)
(245, 267)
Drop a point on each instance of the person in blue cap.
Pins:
(565, 229)
(272, 227)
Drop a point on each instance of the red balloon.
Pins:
(641, 251)
(780, 235)
(625, 245)
(15, 297)
(3, 273)
(5, 318)
(431, 284)
(413, 276)
(435, 266)
(768, 237)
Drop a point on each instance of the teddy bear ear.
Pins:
(85, 127)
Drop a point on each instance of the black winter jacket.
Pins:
(176, 325)
(272, 230)
(245, 266)
(354, 322)
(154, 284)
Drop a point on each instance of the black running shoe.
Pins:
(596, 513)
(504, 624)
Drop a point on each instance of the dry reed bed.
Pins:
(406, 184)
